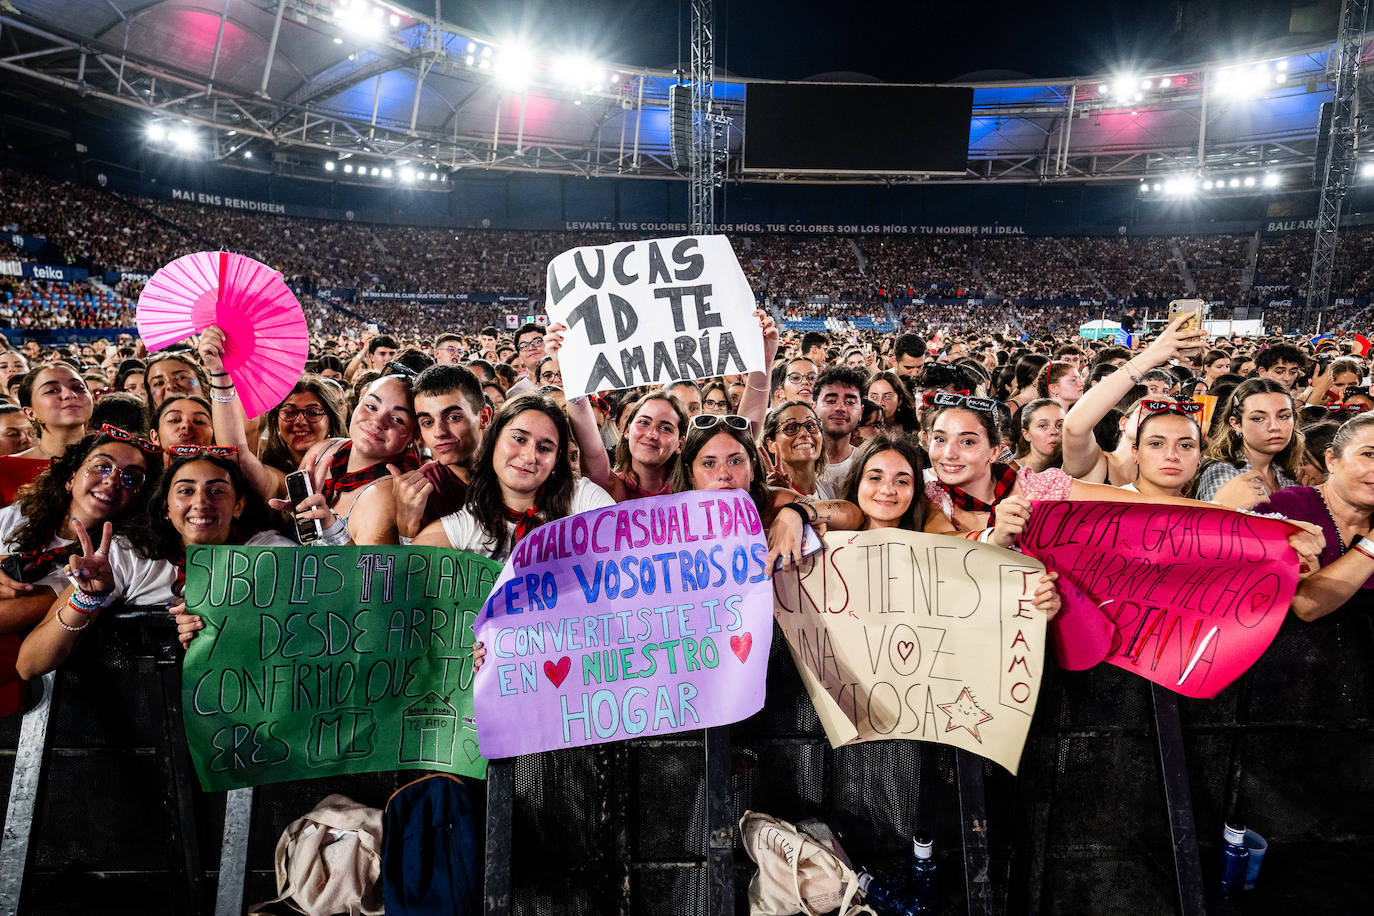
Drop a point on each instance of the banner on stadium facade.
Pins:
(47, 272)
(652, 311)
(1188, 598)
(223, 200)
(901, 634)
(834, 228)
(11, 269)
(30, 243)
(327, 660)
(649, 617)
(112, 277)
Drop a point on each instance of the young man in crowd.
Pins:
(448, 350)
(1284, 363)
(909, 355)
(452, 416)
(839, 407)
(813, 346)
(529, 349)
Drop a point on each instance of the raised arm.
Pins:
(1081, 452)
(231, 423)
(596, 466)
(753, 406)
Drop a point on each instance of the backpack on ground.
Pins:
(328, 861)
(431, 851)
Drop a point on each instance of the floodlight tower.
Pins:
(703, 181)
(1340, 159)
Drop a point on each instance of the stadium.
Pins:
(411, 179)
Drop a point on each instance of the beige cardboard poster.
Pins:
(900, 634)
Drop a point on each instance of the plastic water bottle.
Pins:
(1235, 860)
(888, 899)
(925, 878)
(882, 897)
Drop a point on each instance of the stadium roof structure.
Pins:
(312, 81)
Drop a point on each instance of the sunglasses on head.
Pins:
(1346, 408)
(712, 420)
(123, 435)
(219, 451)
(928, 399)
(599, 403)
(1187, 408)
(953, 399)
(401, 369)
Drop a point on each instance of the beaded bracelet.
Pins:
(224, 398)
(80, 606)
(63, 624)
(92, 600)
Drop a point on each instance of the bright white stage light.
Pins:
(348, 169)
(248, 154)
(577, 72)
(1103, 89)
(433, 176)
(513, 66)
(1271, 179)
(1155, 186)
(157, 133)
(183, 140)
(407, 174)
(1249, 181)
(1207, 185)
(1144, 187)
(375, 171)
(329, 165)
(386, 173)
(360, 19)
(1165, 83)
(1367, 170)
(1235, 182)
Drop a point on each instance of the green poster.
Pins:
(326, 660)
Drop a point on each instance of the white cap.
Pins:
(922, 846)
(1233, 833)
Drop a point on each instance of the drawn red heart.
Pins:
(556, 673)
(741, 645)
(905, 648)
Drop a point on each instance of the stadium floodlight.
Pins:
(1103, 89)
(1207, 185)
(433, 176)
(182, 139)
(513, 66)
(1144, 187)
(1249, 181)
(376, 171)
(386, 173)
(394, 20)
(248, 154)
(580, 73)
(329, 165)
(156, 132)
(407, 174)
(348, 168)
(1271, 179)
(469, 60)
(1155, 186)
(360, 18)
(1367, 170)
(472, 47)
(1165, 83)
(1235, 182)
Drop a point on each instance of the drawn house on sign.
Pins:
(427, 731)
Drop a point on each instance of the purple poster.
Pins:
(645, 618)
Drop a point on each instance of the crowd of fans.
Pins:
(800, 277)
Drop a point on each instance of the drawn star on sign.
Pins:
(969, 714)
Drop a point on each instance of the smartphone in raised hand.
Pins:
(298, 487)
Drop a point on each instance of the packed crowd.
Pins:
(102, 230)
(450, 440)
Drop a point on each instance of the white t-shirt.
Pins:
(465, 534)
(11, 520)
(834, 474)
(140, 581)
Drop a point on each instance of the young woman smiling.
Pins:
(791, 449)
(520, 479)
(201, 499)
(352, 476)
(58, 404)
(100, 479)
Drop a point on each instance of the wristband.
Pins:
(1363, 545)
(336, 535)
(223, 387)
(63, 624)
(224, 398)
(797, 508)
(1131, 371)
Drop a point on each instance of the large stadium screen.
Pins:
(833, 128)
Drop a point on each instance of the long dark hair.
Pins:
(696, 441)
(44, 503)
(914, 518)
(905, 415)
(1227, 443)
(274, 452)
(485, 501)
(158, 539)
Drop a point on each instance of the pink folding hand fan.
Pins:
(264, 327)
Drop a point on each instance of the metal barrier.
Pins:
(1117, 807)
